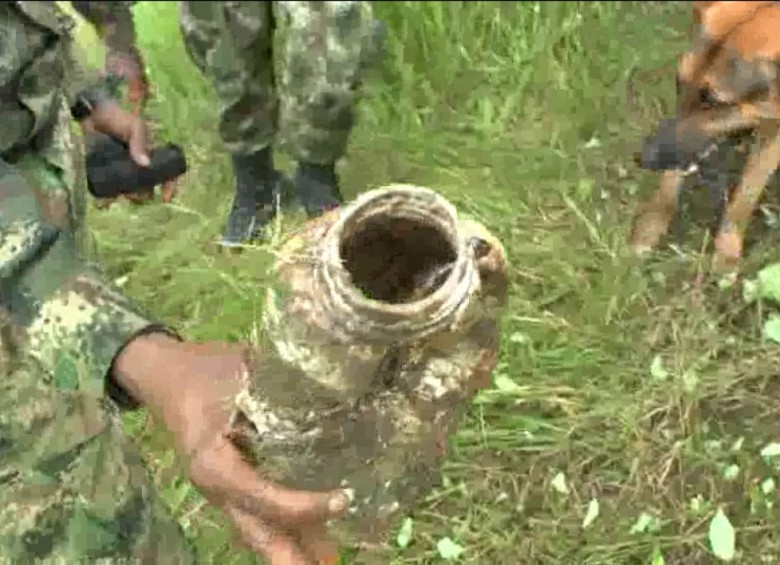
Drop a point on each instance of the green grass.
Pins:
(517, 113)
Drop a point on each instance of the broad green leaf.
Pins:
(771, 450)
(518, 337)
(591, 514)
(749, 291)
(176, 495)
(725, 283)
(722, 536)
(769, 282)
(645, 523)
(731, 472)
(713, 446)
(772, 328)
(658, 558)
(768, 486)
(699, 506)
(585, 189)
(690, 380)
(405, 533)
(448, 549)
(559, 484)
(657, 370)
(504, 384)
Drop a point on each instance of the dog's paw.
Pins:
(647, 232)
(728, 253)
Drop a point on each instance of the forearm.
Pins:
(84, 84)
(136, 368)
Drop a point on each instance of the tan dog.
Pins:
(727, 84)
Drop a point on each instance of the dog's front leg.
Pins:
(762, 163)
(655, 215)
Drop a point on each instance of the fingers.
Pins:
(280, 548)
(276, 546)
(287, 506)
(221, 470)
(138, 142)
(169, 190)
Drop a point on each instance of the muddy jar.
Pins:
(380, 327)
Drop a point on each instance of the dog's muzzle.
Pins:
(671, 149)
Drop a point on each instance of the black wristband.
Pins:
(87, 101)
(115, 392)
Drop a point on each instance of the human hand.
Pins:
(109, 118)
(190, 388)
(130, 67)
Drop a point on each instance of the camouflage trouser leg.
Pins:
(231, 44)
(325, 45)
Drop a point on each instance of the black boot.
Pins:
(318, 188)
(253, 203)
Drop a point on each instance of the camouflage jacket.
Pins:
(55, 309)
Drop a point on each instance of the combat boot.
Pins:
(317, 187)
(253, 203)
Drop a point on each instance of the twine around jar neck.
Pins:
(356, 318)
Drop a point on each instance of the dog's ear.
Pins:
(726, 38)
(751, 78)
(718, 19)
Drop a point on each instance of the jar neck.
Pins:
(404, 232)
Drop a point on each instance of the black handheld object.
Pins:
(111, 171)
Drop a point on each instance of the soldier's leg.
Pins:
(72, 487)
(327, 47)
(231, 43)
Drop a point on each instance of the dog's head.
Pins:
(726, 83)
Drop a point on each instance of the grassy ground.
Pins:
(630, 389)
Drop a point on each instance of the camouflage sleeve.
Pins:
(82, 79)
(113, 21)
(63, 316)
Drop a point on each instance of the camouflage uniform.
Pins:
(326, 46)
(72, 487)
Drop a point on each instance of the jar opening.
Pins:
(397, 260)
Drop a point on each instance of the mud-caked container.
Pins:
(380, 327)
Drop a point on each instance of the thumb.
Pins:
(137, 144)
(290, 507)
(295, 507)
